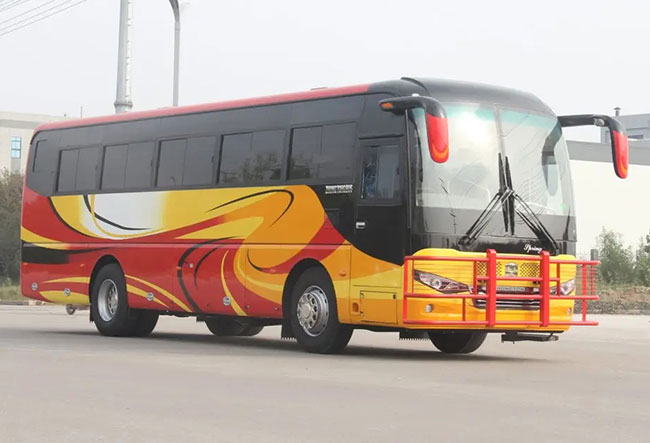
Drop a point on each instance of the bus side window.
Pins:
(171, 163)
(380, 173)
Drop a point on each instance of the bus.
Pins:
(438, 210)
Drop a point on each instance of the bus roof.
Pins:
(444, 90)
(194, 109)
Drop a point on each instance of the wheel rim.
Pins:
(313, 311)
(107, 300)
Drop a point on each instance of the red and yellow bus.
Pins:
(434, 209)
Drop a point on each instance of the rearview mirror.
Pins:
(436, 121)
(618, 137)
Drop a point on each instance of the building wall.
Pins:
(13, 124)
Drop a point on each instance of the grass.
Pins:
(10, 293)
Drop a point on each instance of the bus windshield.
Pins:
(532, 142)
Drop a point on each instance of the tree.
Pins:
(642, 262)
(11, 189)
(616, 261)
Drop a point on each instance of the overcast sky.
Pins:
(578, 56)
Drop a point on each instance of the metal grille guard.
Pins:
(585, 274)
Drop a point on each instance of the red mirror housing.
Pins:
(618, 137)
(436, 121)
(620, 151)
(438, 133)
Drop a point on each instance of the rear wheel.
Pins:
(146, 323)
(110, 310)
(231, 327)
(462, 342)
(108, 303)
(313, 314)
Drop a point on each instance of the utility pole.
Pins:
(123, 101)
(177, 47)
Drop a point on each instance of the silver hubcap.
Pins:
(107, 300)
(313, 311)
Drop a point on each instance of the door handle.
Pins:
(360, 225)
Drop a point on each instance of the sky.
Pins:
(578, 56)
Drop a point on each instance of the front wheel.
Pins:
(462, 342)
(313, 314)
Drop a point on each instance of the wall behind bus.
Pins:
(604, 201)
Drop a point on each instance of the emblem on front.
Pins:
(512, 270)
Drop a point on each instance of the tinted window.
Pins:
(250, 158)
(114, 167)
(322, 152)
(305, 151)
(44, 157)
(68, 170)
(235, 152)
(87, 169)
(139, 165)
(380, 173)
(199, 161)
(266, 163)
(170, 163)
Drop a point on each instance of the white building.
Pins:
(16, 131)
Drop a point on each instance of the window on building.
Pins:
(16, 147)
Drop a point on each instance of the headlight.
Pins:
(440, 284)
(565, 288)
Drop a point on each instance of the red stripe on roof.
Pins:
(192, 109)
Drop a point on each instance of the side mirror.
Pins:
(436, 121)
(618, 137)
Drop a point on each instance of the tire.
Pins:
(462, 342)
(231, 327)
(108, 303)
(146, 323)
(313, 315)
(70, 309)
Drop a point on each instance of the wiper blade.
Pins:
(534, 223)
(502, 197)
(527, 215)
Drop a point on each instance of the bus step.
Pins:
(521, 336)
(413, 335)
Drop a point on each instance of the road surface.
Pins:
(61, 381)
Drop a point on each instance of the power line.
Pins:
(38, 14)
(38, 17)
(28, 11)
(11, 3)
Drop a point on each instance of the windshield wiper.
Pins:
(502, 197)
(527, 215)
(506, 197)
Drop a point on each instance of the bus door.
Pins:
(379, 230)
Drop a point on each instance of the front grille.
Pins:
(526, 269)
(520, 304)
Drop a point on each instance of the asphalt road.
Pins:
(61, 381)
